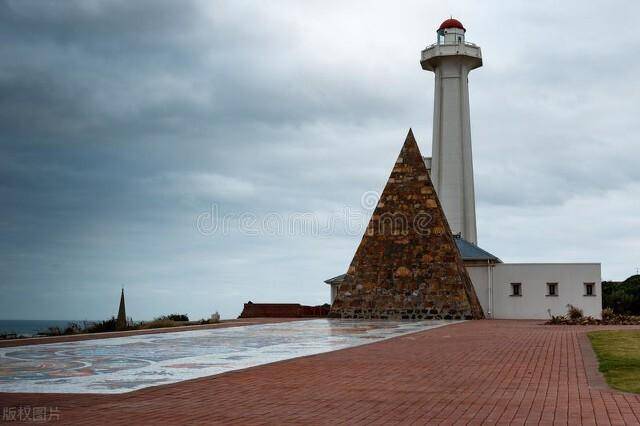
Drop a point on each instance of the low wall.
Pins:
(282, 310)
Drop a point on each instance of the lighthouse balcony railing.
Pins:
(469, 50)
(465, 43)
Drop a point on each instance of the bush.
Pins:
(213, 319)
(162, 322)
(103, 326)
(74, 328)
(12, 335)
(574, 313)
(622, 297)
(52, 331)
(71, 328)
(557, 319)
(609, 317)
(173, 317)
(607, 314)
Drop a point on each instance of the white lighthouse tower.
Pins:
(451, 58)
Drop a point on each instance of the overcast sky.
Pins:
(129, 126)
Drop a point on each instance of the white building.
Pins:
(530, 290)
(505, 290)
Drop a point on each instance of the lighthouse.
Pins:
(386, 279)
(450, 59)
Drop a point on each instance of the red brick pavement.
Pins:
(478, 372)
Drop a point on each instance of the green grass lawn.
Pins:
(619, 357)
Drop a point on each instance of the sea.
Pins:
(30, 328)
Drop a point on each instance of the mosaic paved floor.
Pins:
(129, 363)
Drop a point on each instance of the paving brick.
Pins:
(518, 372)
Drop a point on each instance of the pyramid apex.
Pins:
(411, 140)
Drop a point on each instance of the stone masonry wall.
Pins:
(407, 265)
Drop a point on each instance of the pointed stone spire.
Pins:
(121, 321)
(407, 265)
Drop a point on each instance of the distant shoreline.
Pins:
(5, 343)
(31, 328)
(27, 329)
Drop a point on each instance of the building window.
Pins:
(516, 289)
(552, 289)
(589, 289)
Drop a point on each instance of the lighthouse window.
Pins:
(552, 289)
(459, 39)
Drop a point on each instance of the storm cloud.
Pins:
(123, 123)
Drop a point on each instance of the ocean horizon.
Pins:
(33, 327)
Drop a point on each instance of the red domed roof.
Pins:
(451, 23)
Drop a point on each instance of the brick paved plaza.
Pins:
(478, 372)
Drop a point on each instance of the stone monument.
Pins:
(407, 265)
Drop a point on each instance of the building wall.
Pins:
(480, 278)
(534, 302)
(533, 277)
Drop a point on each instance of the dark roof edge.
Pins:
(335, 279)
(470, 251)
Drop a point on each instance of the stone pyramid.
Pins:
(407, 265)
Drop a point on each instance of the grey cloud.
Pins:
(123, 121)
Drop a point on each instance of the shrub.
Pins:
(74, 328)
(162, 322)
(557, 319)
(102, 326)
(622, 297)
(574, 313)
(607, 314)
(609, 317)
(173, 317)
(215, 317)
(52, 331)
(12, 335)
